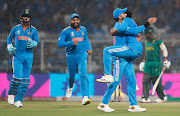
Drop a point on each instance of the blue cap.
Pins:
(118, 12)
(25, 13)
(74, 15)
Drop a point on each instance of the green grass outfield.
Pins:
(76, 109)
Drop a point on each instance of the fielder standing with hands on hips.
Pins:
(152, 64)
(26, 38)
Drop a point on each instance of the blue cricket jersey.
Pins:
(131, 40)
(130, 29)
(119, 39)
(69, 34)
(21, 37)
(125, 29)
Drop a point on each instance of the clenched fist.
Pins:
(152, 20)
(89, 52)
(75, 42)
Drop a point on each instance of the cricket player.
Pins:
(132, 49)
(126, 67)
(26, 38)
(75, 39)
(152, 64)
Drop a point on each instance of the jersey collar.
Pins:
(23, 27)
(80, 27)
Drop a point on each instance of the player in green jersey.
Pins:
(152, 64)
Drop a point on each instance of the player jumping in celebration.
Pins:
(125, 64)
(132, 49)
(151, 65)
(75, 39)
(26, 38)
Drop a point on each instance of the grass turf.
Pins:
(76, 109)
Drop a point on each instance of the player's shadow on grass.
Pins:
(67, 106)
(117, 111)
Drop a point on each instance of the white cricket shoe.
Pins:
(143, 100)
(106, 78)
(165, 98)
(69, 92)
(105, 108)
(11, 99)
(158, 100)
(86, 100)
(18, 104)
(136, 108)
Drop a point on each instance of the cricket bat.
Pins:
(157, 81)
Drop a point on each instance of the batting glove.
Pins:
(31, 43)
(167, 64)
(141, 66)
(11, 49)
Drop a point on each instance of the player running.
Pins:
(26, 38)
(125, 65)
(75, 39)
(151, 65)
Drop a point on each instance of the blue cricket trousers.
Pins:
(78, 61)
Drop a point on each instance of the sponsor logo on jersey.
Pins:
(23, 38)
(149, 48)
(18, 32)
(29, 33)
(72, 34)
(83, 33)
(78, 38)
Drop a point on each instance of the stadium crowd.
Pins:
(96, 15)
(51, 16)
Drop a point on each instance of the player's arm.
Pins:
(10, 47)
(11, 36)
(139, 37)
(33, 42)
(35, 37)
(128, 30)
(89, 49)
(164, 50)
(165, 54)
(62, 42)
(123, 27)
(120, 29)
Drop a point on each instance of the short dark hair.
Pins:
(116, 19)
(129, 13)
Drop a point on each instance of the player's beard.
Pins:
(25, 22)
(149, 37)
(75, 25)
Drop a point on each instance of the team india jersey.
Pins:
(131, 40)
(152, 49)
(21, 37)
(69, 34)
(119, 39)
